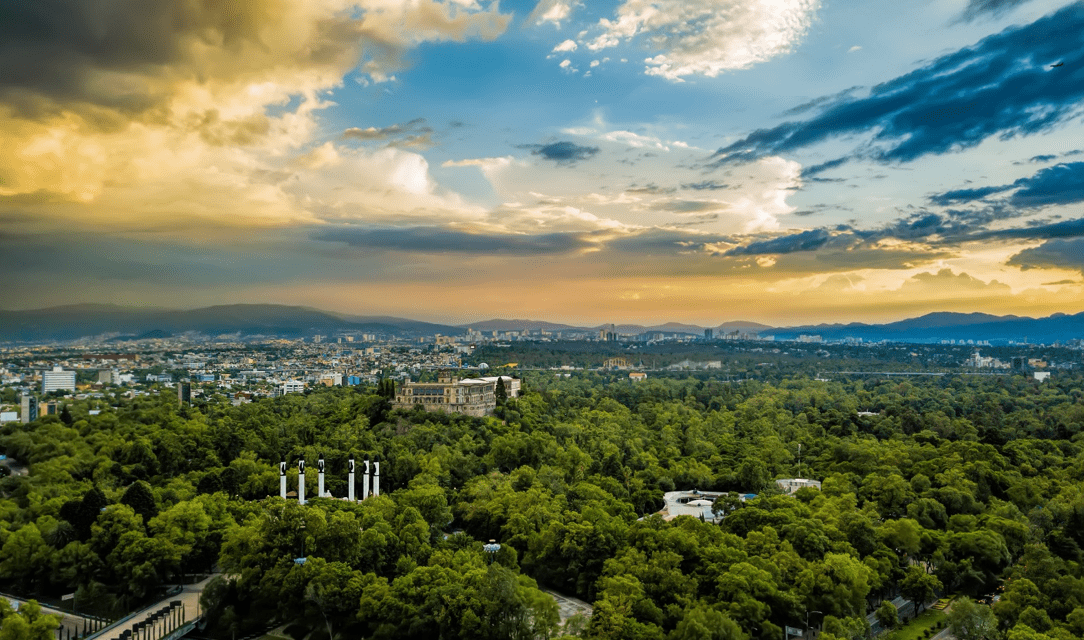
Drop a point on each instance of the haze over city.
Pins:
(787, 162)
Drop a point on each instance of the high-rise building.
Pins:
(107, 376)
(57, 380)
(709, 334)
(29, 409)
(184, 393)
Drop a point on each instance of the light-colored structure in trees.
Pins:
(301, 480)
(321, 469)
(790, 485)
(350, 479)
(469, 396)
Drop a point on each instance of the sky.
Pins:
(703, 161)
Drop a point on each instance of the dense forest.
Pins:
(956, 485)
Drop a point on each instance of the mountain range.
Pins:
(87, 320)
(934, 327)
(94, 320)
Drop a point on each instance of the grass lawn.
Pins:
(916, 628)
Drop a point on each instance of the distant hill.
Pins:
(498, 324)
(741, 326)
(627, 329)
(116, 322)
(669, 327)
(86, 320)
(934, 327)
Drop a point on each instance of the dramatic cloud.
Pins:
(175, 111)
(1057, 185)
(1000, 87)
(441, 240)
(804, 241)
(958, 196)
(1067, 229)
(1063, 254)
(563, 152)
(707, 37)
(1060, 184)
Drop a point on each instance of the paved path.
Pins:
(568, 606)
(906, 610)
(189, 596)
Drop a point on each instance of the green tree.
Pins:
(30, 623)
(919, 587)
(888, 615)
(970, 620)
(704, 623)
(140, 498)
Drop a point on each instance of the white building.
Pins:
(511, 385)
(790, 485)
(293, 386)
(57, 380)
(333, 379)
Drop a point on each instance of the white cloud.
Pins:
(492, 168)
(552, 11)
(707, 37)
(854, 48)
(594, 63)
(566, 64)
(579, 131)
(566, 46)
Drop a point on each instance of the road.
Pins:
(189, 596)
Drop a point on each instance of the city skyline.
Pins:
(785, 162)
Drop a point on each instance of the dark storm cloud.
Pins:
(113, 60)
(1057, 185)
(804, 241)
(440, 240)
(1068, 254)
(68, 257)
(1001, 87)
(1060, 184)
(991, 8)
(563, 152)
(959, 196)
(1066, 229)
